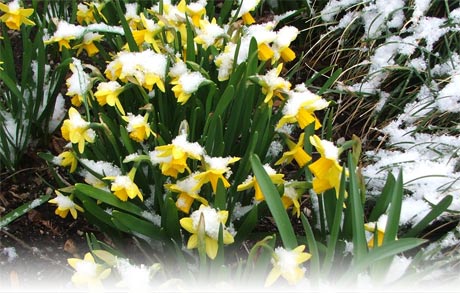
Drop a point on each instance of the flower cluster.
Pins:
(158, 122)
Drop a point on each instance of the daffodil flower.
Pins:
(88, 45)
(327, 170)
(212, 221)
(380, 225)
(64, 205)
(286, 263)
(14, 15)
(300, 108)
(172, 158)
(138, 127)
(209, 34)
(68, 158)
(145, 68)
(123, 187)
(273, 85)
(88, 272)
(196, 10)
(78, 84)
(245, 7)
(296, 152)
(281, 44)
(216, 167)
(76, 130)
(65, 32)
(186, 85)
(107, 93)
(291, 197)
(188, 190)
(85, 12)
(264, 35)
(252, 182)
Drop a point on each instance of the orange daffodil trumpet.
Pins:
(14, 15)
(286, 263)
(76, 130)
(65, 204)
(212, 219)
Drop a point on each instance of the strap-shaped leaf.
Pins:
(272, 197)
(106, 197)
(21, 210)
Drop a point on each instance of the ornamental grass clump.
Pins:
(189, 136)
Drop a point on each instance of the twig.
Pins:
(34, 250)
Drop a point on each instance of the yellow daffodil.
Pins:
(216, 167)
(78, 84)
(286, 263)
(138, 127)
(380, 225)
(88, 272)
(186, 85)
(212, 221)
(209, 34)
(123, 187)
(76, 130)
(68, 158)
(196, 10)
(244, 10)
(188, 190)
(85, 14)
(273, 85)
(292, 195)
(252, 182)
(65, 32)
(300, 108)
(107, 93)
(132, 16)
(14, 15)
(172, 158)
(88, 45)
(64, 205)
(296, 152)
(326, 169)
(281, 44)
(145, 68)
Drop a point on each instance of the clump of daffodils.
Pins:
(180, 65)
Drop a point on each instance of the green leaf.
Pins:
(137, 226)
(248, 224)
(357, 213)
(272, 197)
(394, 211)
(438, 209)
(21, 210)
(313, 248)
(220, 201)
(172, 226)
(107, 197)
(335, 228)
(384, 199)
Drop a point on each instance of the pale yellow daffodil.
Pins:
(76, 130)
(212, 221)
(88, 272)
(65, 204)
(296, 152)
(286, 263)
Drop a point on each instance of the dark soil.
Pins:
(42, 240)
